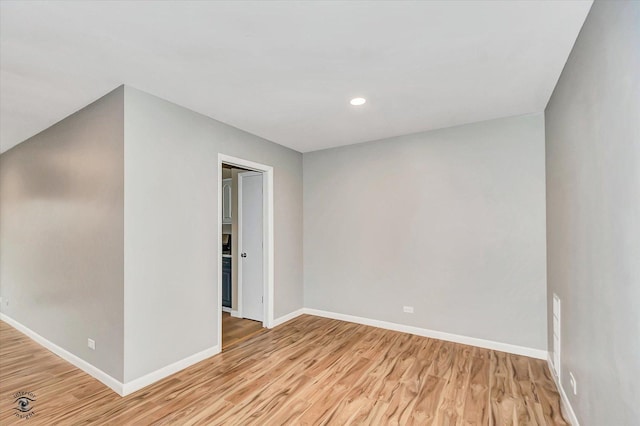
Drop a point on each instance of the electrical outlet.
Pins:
(408, 309)
(574, 384)
(91, 343)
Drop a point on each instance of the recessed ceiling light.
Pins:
(358, 101)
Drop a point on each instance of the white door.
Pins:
(250, 222)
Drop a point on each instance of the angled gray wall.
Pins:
(450, 222)
(593, 214)
(171, 245)
(62, 233)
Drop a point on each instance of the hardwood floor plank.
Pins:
(349, 407)
(372, 414)
(476, 405)
(451, 405)
(310, 370)
(286, 414)
(546, 392)
(333, 388)
(236, 330)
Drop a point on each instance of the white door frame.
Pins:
(239, 248)
(267, 229)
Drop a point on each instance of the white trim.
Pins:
(137, 384)
(83, 365)
(482, 343)
(122, 389)
(238, 249)
(288, 317)
(268, 239)
(219, 248)
(556, 331)
(567, 409)
(235, 314)
(161, 373)
(225, 309)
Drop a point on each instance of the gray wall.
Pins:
(451, 222)
(171, 244)
(593, 214)
(62, 233)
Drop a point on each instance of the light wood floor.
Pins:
(236, 330)
(308, 371)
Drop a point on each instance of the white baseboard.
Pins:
(154, 376)
(235, 314)
(225, 309)
(287, 317)
(83, 365)
(488, 344)
(120, 388)
(137, 384)
(567, 409)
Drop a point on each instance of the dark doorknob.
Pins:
(243, 255)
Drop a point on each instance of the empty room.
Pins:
(320, 212)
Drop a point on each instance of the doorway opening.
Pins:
(245, 241)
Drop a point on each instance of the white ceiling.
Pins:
(286, 70)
